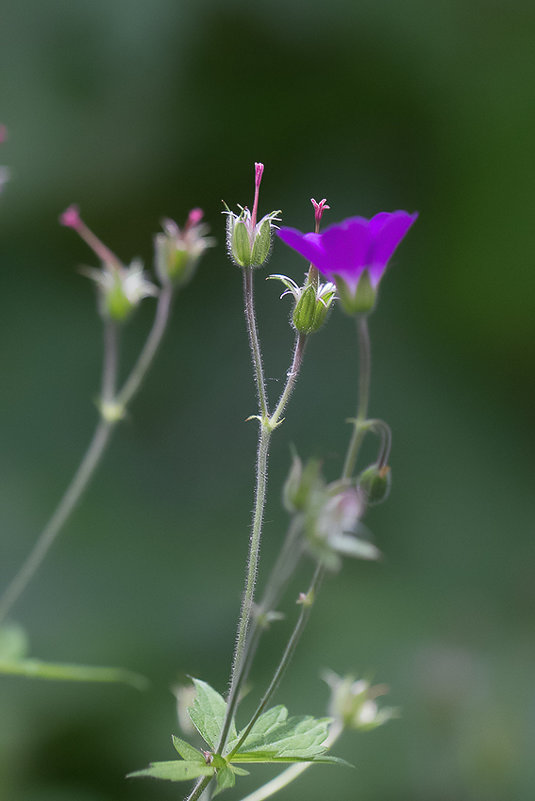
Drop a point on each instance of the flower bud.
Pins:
(179, 250)
(312, 308)
(375, 482)
(248, 241)
(120, 289)
(312, 303)
(353, 702)
(249, 245)
(301, 484)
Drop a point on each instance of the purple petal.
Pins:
(389, 234)
(378, 221)
(308, 245)
(347, 246)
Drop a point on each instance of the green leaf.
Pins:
(276, 735)
(239, 771)
(175, 771)
(13, 642)
(208, 713)
(262, 757)
(55, 671)
(187, 751)
(225, 779)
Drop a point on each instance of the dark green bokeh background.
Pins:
(138, 110)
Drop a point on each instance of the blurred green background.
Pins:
(139, 110)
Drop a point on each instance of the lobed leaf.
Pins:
(276, 735)
(207, 714)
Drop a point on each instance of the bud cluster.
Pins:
(121, 288)
(330, 515)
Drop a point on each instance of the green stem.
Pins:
(250, 583)
(292, 773)
(109, 402)
(78, 484)
(150, 348)
(279, 577)
(291, 378)
(286, 657)
(250, 318)
(199, 788)
(63, 511)
(359, 429)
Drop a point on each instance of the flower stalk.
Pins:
(112, 410)
(360, 425)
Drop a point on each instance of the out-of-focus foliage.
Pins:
(139, 111)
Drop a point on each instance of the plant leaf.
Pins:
(175, 771)
(261, 757)
(239, 771)
(187, 751)
(276, 735)
(207, 714)
(58, 671)
(225, 779)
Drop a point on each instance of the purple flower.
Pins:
(353, 253)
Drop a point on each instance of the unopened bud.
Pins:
(375, 482)
(353, 702)
(248, 241)
(178, 250)
(301, 483)
(312, 308)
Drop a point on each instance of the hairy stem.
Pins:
(246, 638)
(359, 429)
(291, 378)
(287, 655)
(150, 348)
(250, 582)
(250, 318)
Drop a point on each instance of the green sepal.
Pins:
(241, 244)
(174, 771)
(348, 545)
(207, 714)
(361, 300)
(262, 243)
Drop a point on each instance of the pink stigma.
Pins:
(71, 217)
(319, 208)
(194, 217)
(3, 134)
(258, 172)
